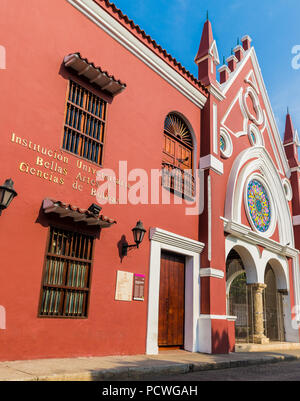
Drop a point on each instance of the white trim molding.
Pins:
(216, 142)
(215, 273)
(168, 238)
(123, 36)
(287, 189)
(212, 163)
(191, 249)
(205, 331)
(296, 220)
(227, 152)
(244, 232)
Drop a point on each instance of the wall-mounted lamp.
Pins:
(7, 194)
(138, 235)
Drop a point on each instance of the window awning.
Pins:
(95, 75)
(77, 214)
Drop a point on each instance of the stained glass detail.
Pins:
(253, 138)
(222, 143)
(259, 206)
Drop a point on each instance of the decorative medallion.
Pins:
(175, 126)
(259, 117)
(259, 206)
(226, 147)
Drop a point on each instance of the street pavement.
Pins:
(282, 371)
(142, 367)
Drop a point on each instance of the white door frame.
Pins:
(191, 249)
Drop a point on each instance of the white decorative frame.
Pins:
(191, 249)
(259, 120)
(228, 144)
(259, 141)
(287, 189)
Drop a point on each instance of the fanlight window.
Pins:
(177, 156)
(176, 127)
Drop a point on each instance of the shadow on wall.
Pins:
(220, 342)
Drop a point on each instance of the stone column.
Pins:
(258, 336)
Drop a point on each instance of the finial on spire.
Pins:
(224, 62)
(207, 16)
(238, 41)
(288, 110)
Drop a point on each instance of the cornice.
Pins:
(168, 238)
(244, 232)
(117, 31)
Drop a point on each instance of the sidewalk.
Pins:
(133, 367)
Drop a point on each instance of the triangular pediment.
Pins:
(255, 81)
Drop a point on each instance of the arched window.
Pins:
(178, 156)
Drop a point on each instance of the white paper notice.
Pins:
(124, 286)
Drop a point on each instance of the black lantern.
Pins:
(138, 233)
(7, 194)
(138, 236)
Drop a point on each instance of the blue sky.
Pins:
(274, 26)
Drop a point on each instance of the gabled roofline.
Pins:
(251, 54)
(110, 19)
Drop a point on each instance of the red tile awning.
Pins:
(77, 214)
(95, 75)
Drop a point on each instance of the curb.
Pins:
(139, 373)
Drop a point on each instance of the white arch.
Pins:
(280, 267)
(231, 280)
(249, 161)
(249, 255)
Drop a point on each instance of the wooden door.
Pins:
(171, 301)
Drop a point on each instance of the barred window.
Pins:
(84, 124)
(67, 274)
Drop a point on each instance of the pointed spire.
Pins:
(207, 57)
(291, 142)
(289, 129)
(207, 40)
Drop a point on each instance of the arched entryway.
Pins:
(258, 307)
(237, 296)
(273, 307)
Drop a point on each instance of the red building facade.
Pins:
(89, 101)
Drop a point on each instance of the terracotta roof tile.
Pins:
(135, 29)
(95, 74)
(59, 207)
